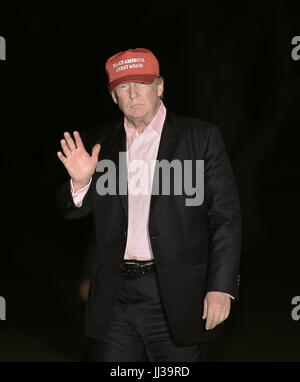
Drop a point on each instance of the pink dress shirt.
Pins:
(141, 154)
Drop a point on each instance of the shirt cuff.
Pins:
(230, 296)
(79, 194)
(224, 293)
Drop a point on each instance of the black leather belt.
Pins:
(136, 268)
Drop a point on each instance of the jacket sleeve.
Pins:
(66, 206)
(224, 217)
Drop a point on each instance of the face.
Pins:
(139, 101)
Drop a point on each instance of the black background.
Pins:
(227, 63)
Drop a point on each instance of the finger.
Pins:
(227, 314)
(224, 313)
(95, 151)
(70, 141)
(204, 309)
(223, 317)
(210, 318)
(78, 140)
(61, 157)
(216, 320)
(65, 147)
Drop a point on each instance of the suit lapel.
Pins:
(168, 142)
(115, 145)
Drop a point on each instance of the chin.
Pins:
(138, 113)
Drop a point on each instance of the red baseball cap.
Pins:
(132, 65)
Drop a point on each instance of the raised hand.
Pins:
(79, 164)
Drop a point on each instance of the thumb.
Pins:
(96, 150)
(204, 309)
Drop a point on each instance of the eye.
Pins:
(123, 86)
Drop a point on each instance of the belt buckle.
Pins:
(129, 271)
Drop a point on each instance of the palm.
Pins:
(79, 164)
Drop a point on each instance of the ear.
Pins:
(114, 97)
(160, 87)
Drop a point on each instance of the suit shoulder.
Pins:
(100, 132)
(193, 124)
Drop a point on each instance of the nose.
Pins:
(132, 91)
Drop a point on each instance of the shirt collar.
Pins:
(156, 124)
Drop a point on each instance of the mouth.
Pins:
(135, 106)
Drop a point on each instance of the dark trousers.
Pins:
(139, 329)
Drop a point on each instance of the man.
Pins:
(166, 266)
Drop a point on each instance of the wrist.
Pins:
(79, 185)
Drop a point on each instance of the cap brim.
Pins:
(147, 78)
